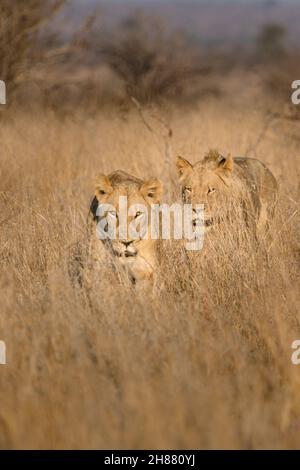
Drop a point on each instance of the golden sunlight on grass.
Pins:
(205, 362)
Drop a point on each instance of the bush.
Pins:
(150, 61)
(20, 25)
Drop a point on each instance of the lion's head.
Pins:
(140, 195)
(207, 182)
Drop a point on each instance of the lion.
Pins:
(219, 182)
(138, 256)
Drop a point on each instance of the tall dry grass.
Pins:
(205, 362)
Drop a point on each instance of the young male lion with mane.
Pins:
(219, 182)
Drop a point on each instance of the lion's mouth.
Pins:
(208, 222)
(125, 253)
(130, 254)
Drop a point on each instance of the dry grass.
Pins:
(205, 363)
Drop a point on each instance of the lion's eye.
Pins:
(211, 190)
(138, 214)
(113, 215)
(188, 189)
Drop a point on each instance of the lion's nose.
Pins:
(127, 243)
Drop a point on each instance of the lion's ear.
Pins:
(152, 190)
(183, 167)
(225, 164)
(102, 186)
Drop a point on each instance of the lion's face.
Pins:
(139, 197)
(208, 183)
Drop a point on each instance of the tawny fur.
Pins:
(141, 266)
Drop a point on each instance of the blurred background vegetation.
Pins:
(70, 54)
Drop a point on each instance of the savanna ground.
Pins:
(205, 362)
